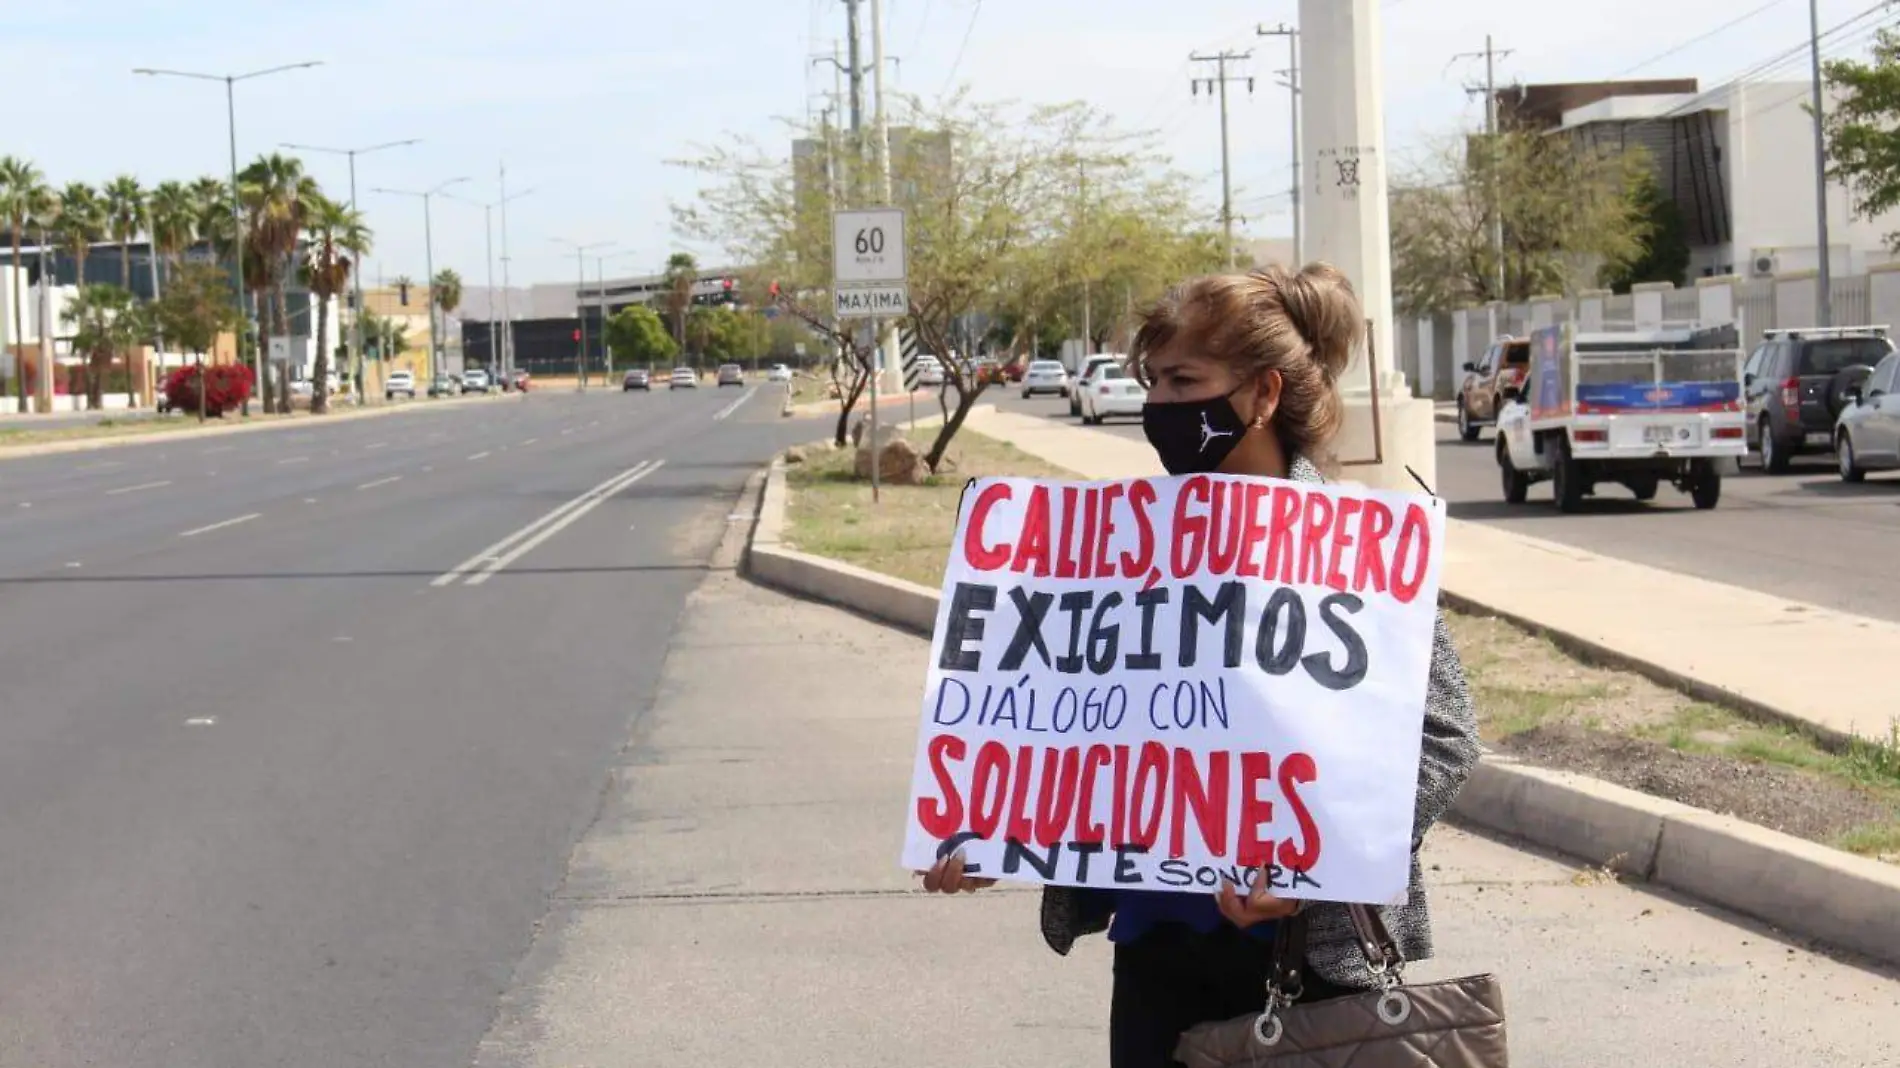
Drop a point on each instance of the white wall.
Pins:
(1769, 164)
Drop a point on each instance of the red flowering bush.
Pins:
(228, 386)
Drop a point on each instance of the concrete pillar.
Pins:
(1460, 340)
(1427, 356)
(1590, 309)
(1495, 322)
(1545, 311)
(1646, 299)
(1715, 299)
(1342, 114)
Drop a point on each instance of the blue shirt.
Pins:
(1137, 911)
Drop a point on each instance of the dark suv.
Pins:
(1796, 383)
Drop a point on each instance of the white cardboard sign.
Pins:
(1169, 683)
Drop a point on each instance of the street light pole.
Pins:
(356, 274)
(237, 211)
(580, 296)
(496, 356)
(428, 261)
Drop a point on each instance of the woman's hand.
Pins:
(1257, 907)
(946, 877)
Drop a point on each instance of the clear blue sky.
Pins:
(587, 99)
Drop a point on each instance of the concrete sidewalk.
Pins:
(1798, 660)
(738, 901)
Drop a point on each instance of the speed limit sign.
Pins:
(868, 247)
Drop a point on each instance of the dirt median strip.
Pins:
(1537, 704)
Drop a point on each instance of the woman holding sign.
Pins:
(1242, 374)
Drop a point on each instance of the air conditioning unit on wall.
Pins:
(1763, 263)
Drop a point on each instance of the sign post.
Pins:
(870, 278)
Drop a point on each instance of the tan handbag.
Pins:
(1456, 1023)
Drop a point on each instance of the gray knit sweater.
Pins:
(1449, 752)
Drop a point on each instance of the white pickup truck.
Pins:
(1632, 406)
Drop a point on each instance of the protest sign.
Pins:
(1167, 683)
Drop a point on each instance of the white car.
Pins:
(1088, 368)
(1110, 390)
(929, 372)
(1045, 376)
(475, 381)
(683, 378)
(1867, 434)
(399, 383)
(779, 373)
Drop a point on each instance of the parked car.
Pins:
(930, 373)
(399, 384)
(1088, 368)
(1867, 435)
(445, 386)
(683, 378)
(1045, 376)
(1013, 371)
(638, 378)
(779, 373)
(1111, 390)
(1481, 393)
(731, 374)
(475, 380)
(1796, 384)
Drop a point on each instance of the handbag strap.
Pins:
(1285, 982)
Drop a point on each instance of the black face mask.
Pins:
(1193, 437)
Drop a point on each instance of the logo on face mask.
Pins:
(1208, 433)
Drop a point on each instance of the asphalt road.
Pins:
(297, 739)
(1804, 536)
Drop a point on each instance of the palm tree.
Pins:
(276, 196)
(127, 213)
(21, 188)
(334, 231)
(106, 321)
(445, 289)
(681, 274)
(80, 222)
(175, 213)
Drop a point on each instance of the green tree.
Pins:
(637, 337)
(276, 196)
(1665, 256)
(1863, 127)
(196, 307)
(124, 202)
(22, 190)
(107, 322)
(1570, 211)
(338, 238)
(80, 221)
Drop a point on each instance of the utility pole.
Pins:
(856, 72)
(507, 323)
(1293, 97)
(1824, 282)
(1491, 55)
(1220, 62)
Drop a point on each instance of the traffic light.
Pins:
(774, 290)
(402, 293)
(725, 285)
(577, 334)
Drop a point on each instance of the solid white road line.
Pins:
(140, 486)
(220, 526)
(375, 445)
(556, 527)
(734, 406)
(380, 482)
(479, 456)
(530, 441)
(495, 550)
(295, 460)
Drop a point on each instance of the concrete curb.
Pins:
(1796, 886)
(211, 430)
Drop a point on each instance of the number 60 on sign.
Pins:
(868, 247)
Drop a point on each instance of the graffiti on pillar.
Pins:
(1342, 172)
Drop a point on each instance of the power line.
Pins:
(1218, 84)
(958, 62)
(1698, 39)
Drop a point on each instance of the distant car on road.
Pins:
(1088, 368)
(1110, 390)
(445, 386)
(1867, 437)
(683, 378)
(779, 373)
(1795, 386)
(929, 372)
(638, 378)
(475, 381)
(1045, 376)
(731, 374)
(1481, 393)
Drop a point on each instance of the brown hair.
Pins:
(1303, 325)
